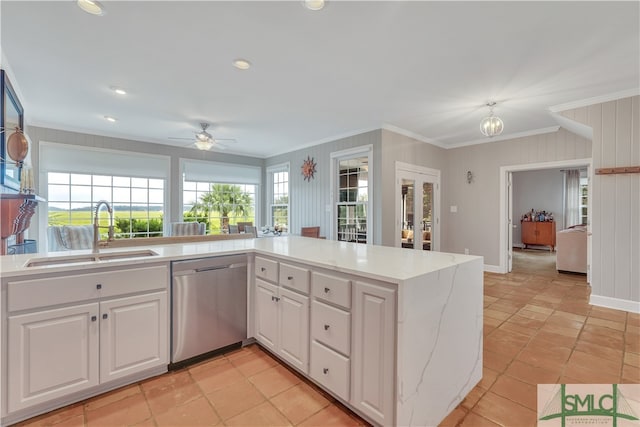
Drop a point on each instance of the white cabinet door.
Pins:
(266, 314)
(294, 328)
(53, 353)
(374, 351)
(133, 335)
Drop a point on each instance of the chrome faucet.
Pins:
(96, 225)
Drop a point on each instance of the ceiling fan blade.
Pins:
(184, 139)
(225, 141)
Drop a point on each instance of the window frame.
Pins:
(336, 157)
(271, 171)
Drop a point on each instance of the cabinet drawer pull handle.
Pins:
(325, 371)
(326, 327)
(289, 277)
(105, 315)
(94, 318)
(99, 286)
(263, 269)
(326, 290)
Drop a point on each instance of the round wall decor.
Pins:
(308, 168)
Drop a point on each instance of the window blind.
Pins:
(55, 157)
(197, 170)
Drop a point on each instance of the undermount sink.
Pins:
(74, 259)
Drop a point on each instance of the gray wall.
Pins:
(615, 261)
(38, 134)
(396, 147)
(541, 190)
(476, 225)
(308, 200)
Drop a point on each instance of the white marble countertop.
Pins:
(377, 262)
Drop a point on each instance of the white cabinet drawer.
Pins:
(294, 278)
(332, 289)
(28, 294)
(267, 269)
(330, 369)
(331, 326)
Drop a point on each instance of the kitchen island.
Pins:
(407, 345)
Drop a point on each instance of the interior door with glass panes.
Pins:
(353, 199)
(418, 219)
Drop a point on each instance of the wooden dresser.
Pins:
(539, 233)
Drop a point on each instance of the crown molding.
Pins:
(324, 140)
(413, 135)
(595, 100)
(506, 137)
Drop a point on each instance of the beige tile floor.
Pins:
(539, 328)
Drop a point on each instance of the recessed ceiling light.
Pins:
(91, 6)
(110, 119)
(313, 4)
(118, 90)
(242, 64)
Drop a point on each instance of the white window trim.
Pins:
(282, 167)
(350, 153)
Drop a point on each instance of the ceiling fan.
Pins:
(205, 141)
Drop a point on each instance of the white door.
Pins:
(294, 328)
(510, 223)
(266, 314)
(373, 353)
(53, 353)
(418, 207)
(133, 335)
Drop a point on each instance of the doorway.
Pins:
(417, 208)
(508, 217)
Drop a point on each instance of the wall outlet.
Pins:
(466, 251)
(453, 209)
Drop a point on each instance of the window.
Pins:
(138, 203)
(352, 214)
(278, 177)
(218, 204)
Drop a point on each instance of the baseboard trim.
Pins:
(615, 303)
(493, 269)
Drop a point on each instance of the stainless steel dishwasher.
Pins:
(209, 305)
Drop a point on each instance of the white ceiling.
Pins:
(426, 68)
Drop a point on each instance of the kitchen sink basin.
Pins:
(124, 255)
(63, 260)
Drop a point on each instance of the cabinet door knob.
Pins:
(289, 277)
(94, 318)
(326, 327)
(325, 371)
(99, 286)
(326, 290)
(105, 315)
(263, 269)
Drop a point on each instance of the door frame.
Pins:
(431, 173)
(506, 206)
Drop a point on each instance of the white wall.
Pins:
(476, 225)
(541, 190)
(615, 267)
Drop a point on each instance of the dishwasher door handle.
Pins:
(220, 267)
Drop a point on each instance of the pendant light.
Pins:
(491, 125)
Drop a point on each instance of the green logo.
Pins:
(563, 406)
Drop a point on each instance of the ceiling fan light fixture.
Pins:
(314, 4)
(204, 144)
(491, 125)
(241, 64)
(91, 6)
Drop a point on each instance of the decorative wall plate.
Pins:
(308, 168)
